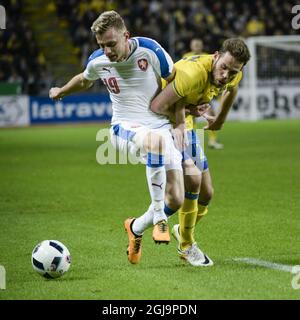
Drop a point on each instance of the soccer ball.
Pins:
(51, 259)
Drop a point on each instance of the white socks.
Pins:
(156, 178)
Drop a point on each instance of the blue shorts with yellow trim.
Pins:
(194, 151)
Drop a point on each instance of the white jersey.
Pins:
(134, 82)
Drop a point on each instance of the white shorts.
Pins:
(128, 138)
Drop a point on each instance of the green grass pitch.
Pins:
(51, 187)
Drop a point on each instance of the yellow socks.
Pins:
(212, 136)
(202, 211)
(187, 219)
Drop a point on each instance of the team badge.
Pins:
(143, 64)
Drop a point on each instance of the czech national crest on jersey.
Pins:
(143, 64)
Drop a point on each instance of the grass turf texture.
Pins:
(52, 188)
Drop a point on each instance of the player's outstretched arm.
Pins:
(227, 100)
(76, 84)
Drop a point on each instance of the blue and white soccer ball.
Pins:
(51, 259)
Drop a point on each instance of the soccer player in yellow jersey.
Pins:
(196, 46)
(198, 80)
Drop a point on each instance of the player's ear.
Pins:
(216, 55)
(127, 35)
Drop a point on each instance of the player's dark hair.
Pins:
(237, 48)
(107, 20)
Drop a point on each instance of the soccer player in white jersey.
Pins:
(131, 69)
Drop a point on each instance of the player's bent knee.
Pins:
(210, 193)
(192, 183)
(206, 195)
(175, 199)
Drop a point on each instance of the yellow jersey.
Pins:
(193, 82)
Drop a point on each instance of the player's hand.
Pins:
(198, 111)
(180, 139)
(55, 93)
(212, 122)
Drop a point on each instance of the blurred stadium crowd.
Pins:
(23, 61)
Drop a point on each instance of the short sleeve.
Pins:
(161, 61)
(89, 73)
(189, 77)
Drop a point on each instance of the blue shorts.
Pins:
(195, 152)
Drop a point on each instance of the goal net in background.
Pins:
(271, 84)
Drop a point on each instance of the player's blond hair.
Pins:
(237, 48)
(107, 20)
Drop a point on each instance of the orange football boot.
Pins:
(134, 249)
(160, 232)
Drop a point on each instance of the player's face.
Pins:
(114, 44)
(225, 68)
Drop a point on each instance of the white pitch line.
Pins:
(268, 264)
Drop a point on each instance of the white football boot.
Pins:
(215, 145)
(192, 254)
